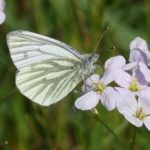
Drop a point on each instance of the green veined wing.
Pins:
(47, 68)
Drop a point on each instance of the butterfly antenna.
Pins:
(100, 39)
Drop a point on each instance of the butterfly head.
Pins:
(88, 64)
(93, 58)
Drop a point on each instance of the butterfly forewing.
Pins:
(47, 67)
(28, 48)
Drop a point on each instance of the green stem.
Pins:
(132, 141)
(109, 130)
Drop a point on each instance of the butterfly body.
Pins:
(47, 69)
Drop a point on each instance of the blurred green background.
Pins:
(25, 125)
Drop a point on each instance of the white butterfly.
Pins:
(47, 69)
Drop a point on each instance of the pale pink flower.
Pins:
(136, 111)
(98, 91)
(139, 51)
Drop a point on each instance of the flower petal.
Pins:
(135, 121)
(108, 76)
(109, 98)
(118, 61)
(147, 122)
(139, 43)
(122, 78)
(140, 77)
(146, 72)
(139, 51)
(93, 78)
(87, 101)
(138, 56)
(89, 82)
(144, 100)
(144, 93)
(127, 105)
(129, 66)
(123, 91)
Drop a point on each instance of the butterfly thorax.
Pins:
(88, 64)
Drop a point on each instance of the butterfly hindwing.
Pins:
(47, 82)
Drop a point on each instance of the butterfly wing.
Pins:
(28, 48)
(47, 68)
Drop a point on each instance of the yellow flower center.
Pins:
(98, 87)
(133, 85)
(140, 114)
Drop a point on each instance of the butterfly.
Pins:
(48, 69)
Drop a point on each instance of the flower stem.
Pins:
(132, 141)
(110, 130)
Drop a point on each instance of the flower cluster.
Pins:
(130, 92)
(2, 14)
